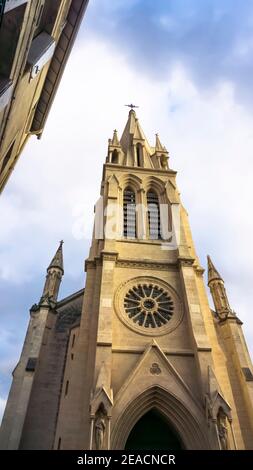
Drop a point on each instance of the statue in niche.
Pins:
(100, 427)
(222, 430)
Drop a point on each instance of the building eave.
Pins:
(58, 63)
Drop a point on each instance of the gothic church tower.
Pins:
(140, 360)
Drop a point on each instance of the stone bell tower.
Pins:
(151, 364)
(138, 360)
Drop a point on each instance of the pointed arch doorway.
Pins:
(191, 432)
(153, 432)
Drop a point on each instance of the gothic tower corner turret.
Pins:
(42, 317)
(218, 291)
(230, 334)
(55, 272)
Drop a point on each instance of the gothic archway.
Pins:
(191, 433)
(153, 432)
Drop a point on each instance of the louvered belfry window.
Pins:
(129, 209)
(153, 216)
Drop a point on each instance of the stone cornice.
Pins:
(98, 260)
(231, 318)
(138, 169)
(185, 261)
(141, 350)
(109, 255)
(146, 264)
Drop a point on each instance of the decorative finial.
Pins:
(158, 144)
(115, 140)
(61, 243)
(132, 106)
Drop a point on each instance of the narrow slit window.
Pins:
(138, 154)
(7, 157)
(129, 209)
(66, 388)
(154, 224)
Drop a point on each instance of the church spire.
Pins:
(55, 272)
(132, 131)
(57, 261)
(134, 144)
(212, 271)
(218, 291)
(133, 149)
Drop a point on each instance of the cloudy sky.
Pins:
(188, 65)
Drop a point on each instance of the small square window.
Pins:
(31, 364)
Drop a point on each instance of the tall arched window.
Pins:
(129, 210)
(153, 216)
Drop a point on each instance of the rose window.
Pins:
(148, 305)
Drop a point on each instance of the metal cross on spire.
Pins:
(132, 106)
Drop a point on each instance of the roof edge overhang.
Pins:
(58, 63)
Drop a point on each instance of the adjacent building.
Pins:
(36, 38)
(138, 359)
